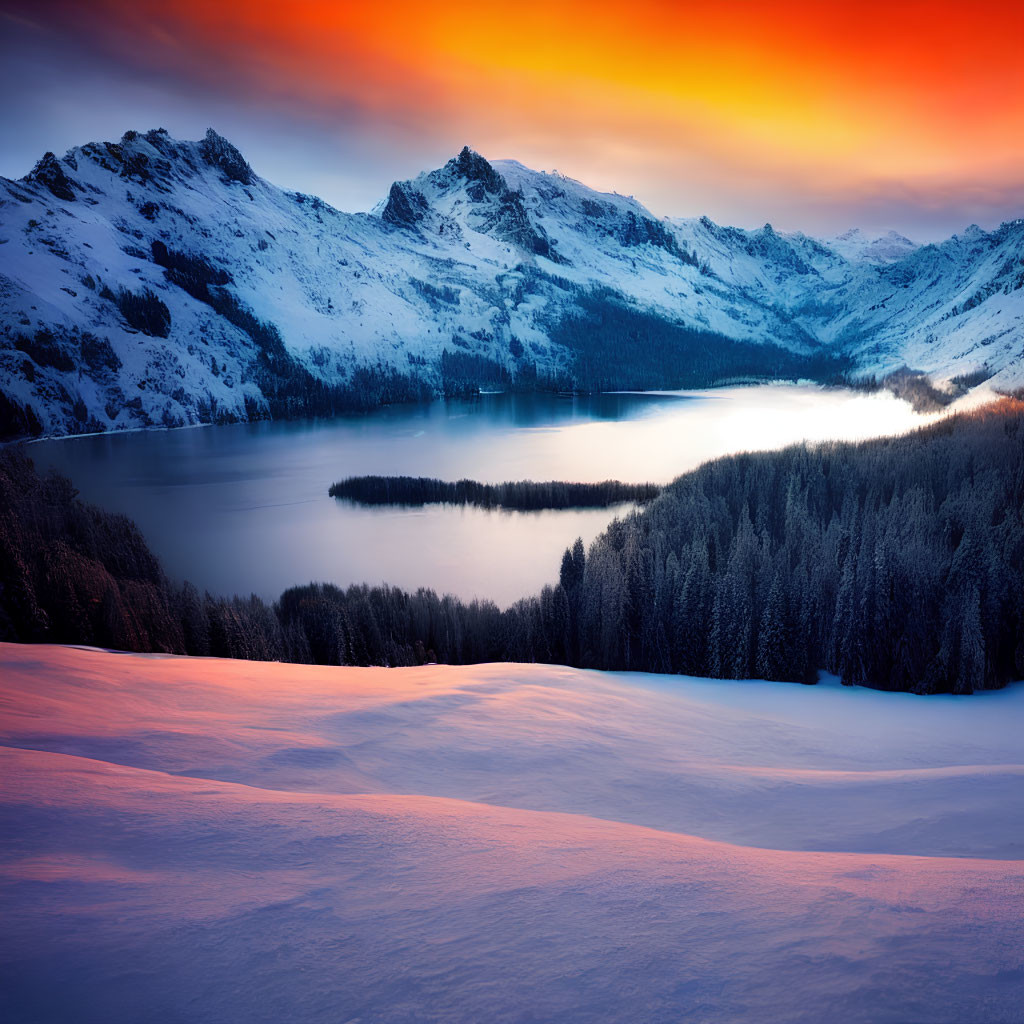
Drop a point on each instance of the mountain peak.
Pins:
(473, 167)
(218, 152)
(860, 246)
(143, 157)
(49, 173)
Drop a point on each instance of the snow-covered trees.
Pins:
(896, 563)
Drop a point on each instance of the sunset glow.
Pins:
(807, 112)
(511, 512)
(330, 842)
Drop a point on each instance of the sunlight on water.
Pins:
(672, 438)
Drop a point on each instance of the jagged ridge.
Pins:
(159, 281)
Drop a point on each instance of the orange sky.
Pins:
(796, 105)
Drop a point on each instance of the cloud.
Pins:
(806, 114)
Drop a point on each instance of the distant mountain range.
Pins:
(154, 281)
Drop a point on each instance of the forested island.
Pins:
(896, 563)
(521, 496)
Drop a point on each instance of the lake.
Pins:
(244, 508)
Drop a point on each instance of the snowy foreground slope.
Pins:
(158, 281)
(197, 840)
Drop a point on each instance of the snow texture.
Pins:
(188, 839)
(477, 258)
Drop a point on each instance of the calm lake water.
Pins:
(244, 508)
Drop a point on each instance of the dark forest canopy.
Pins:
(896, 563)
(616, 346)
(522, 495)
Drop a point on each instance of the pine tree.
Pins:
(971, 674)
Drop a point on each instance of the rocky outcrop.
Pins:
(49, 173)
(406, 206)
(473, 167)
(218, 152)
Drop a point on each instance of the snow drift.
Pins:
(200, 839)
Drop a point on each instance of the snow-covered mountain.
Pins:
(158, 281)
(856, 245)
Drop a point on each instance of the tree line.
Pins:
(616, 346)
(896, 563)
(522, 495)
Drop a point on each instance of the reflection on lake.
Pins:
(244, 508)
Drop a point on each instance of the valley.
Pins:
(207, 500)
(153, 281)
(440, 589)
